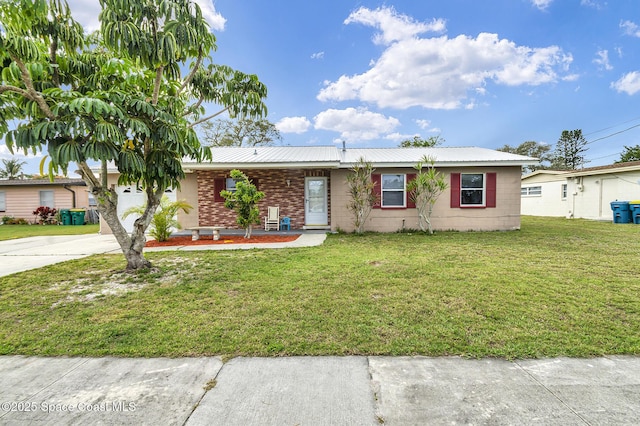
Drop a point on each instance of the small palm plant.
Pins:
(164, 219)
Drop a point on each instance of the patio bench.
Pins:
(195, 231)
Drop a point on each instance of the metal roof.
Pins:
(334, 157)
(270, 156)
(442, 156)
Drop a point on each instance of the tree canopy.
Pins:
(531, 149)
(116, 97)
(569, 152)
(242, 132)
(418, 142)
(630, 153)
(12, 168)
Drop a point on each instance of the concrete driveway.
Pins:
(34, 252)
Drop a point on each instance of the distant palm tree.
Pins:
(12, 168)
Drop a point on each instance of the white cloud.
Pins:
(293, 125)
(592, 3)
(602, 59)
(423, 124)
(438, 72)
(630, 28)
(317, 55)
(393, 26)
(86, 12)
(629, 83)
(542, 4)
(355, 124)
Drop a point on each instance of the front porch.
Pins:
(302, 195)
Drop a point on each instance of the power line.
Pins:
(611, 127)
(613, 134)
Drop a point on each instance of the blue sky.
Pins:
(476, 73)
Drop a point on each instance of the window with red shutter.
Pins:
(219, 184)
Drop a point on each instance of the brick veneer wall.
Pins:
(271, 182)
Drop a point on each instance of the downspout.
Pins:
(73, 199)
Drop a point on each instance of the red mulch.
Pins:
(224, 239)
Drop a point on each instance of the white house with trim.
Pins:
(585, 193)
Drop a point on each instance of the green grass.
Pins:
(555, 288)
(10, 232)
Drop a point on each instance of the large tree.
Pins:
(11, 168)
(118, 96)
(569, 152)
(630, 153)
(242, 132)
(531, 149)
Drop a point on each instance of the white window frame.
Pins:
(403, 190)
(230, 184)
(531, 191)
(483, 189)
(564, 191)
(44, 202)
(3, 201)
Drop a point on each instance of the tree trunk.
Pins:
(247, 231)
(132, 246)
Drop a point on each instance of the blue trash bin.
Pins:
(634, 209)
(621, 212)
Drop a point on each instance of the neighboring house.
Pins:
(309, 185)
(20, 197)
(585, 193)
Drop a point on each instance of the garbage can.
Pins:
(634, 209)
(65, 216)
(621, 212)
(77, 216)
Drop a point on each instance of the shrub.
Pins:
(46, 214)
(164, 218)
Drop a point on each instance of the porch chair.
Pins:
(272, 219)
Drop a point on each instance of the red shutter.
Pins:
(410, 203)
(491, 190)
(377, 186)
(255, 183)
(218, 185)
(455, 190)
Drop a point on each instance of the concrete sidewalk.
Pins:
(24, 254)
(319, 391)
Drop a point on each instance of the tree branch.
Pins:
(156, 86)
(194, 107)
(17, 90)
(191, 74)
(192, 125)
(35, 95)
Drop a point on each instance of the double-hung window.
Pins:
(3, 202)
(473, 190)
(393, 191)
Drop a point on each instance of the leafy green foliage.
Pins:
(164, 219)
(425, 189)
(244, 201)
(630, 153)
(242, 132)
(11, 168)
(117, 96)
(570, 149)
(531, 149)
(361, 193)
(418, 142)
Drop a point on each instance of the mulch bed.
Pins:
(224, 239)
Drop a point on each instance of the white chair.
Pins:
(272, 219)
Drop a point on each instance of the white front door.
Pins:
(315, 201)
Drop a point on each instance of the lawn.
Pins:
(10, 232)
(556, 288)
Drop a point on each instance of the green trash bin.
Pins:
(77, 216)
(65, 216)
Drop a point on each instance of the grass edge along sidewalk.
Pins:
(556, 288)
